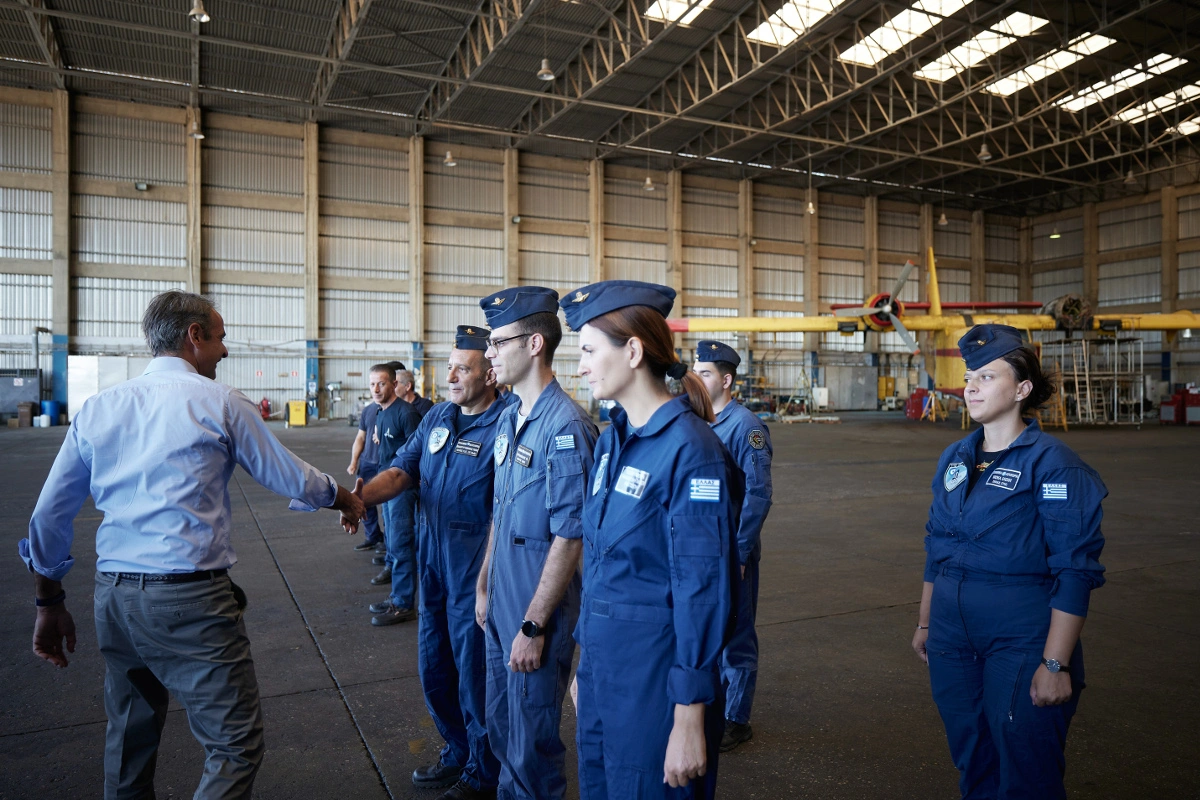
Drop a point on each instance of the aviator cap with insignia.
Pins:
(469, 337)
(985, 343)
(518, 302)
(708, 350)
(588, 302)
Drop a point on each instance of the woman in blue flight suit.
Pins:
(659, 558)
(1012, 557)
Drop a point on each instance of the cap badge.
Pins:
(470, 331)
(498, 301)
(713, 346)
(980, 342)
(580, 297)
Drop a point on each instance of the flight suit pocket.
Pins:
(564, 488)
(1062, 521)
(463, 547)
(696, 557)
(1001, 519)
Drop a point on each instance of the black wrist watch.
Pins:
(1053, 665)
(531, 628)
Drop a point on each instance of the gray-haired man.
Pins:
(156, 454)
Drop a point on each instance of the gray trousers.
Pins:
(186, 640)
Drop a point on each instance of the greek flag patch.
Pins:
(706, 490)
(566, 442)
(1054, 491)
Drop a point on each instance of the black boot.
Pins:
(435, 776)
(465, 791)
(735, 734)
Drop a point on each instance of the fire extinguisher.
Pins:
(264, 408)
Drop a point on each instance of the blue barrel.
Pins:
(52, 408)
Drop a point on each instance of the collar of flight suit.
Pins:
(658, 421)
(1027, 437)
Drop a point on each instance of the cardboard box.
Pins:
(25, 414)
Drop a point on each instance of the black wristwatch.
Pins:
(531, 628)
(1053, 665)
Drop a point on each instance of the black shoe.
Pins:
(379, 561)
(384, 576)
(735, 734)
(465, 791)
(393, 615)
(381, 607)
(436, 776)
(362, 547)
(380, 549)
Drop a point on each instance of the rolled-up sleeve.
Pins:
(567, 468)
(47, 551)
(1069, 506)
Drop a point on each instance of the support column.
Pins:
(596, 269)
(745, 254)
(60, 282)
(312, 238)
(812, 270)
(512, 209)
(978, 258)
(1091, 255)
(870, 264)
(416, 250)
(675, 238)
(1025, 260)
(1169, 207)
(194, 182)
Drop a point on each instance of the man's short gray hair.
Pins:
(168, 317)
(404, 376)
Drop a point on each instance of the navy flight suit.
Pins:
(1023, 537)
(745, 437)
(453, 472)
(660, 569)
(541, 473)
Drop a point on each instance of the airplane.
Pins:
(884, 313)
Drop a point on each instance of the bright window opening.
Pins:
(1160, 105)
(1188, 127)
(671, 10)
(793, 21)
(904, 27)
(1080, 47)
(1121, 81)
(981, 47)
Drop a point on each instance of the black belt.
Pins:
(165, 577)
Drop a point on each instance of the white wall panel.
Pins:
(1133, 226)
(473, 186)
(253, 162)
(834, 342)
(1068, 245)
(1135, 281)
(119, 230)
(443, 315)
(952, 240)
(364, 248)
(367, 319)
(25, 132)
(1001, 244)
(841, 226)
(252, 239)
(111, 309)
(841, 281)
(709, 271)
(25, 302)
(1056, 283)
(277, 376)
(779, 219)
(955, 285)
(1002, 287)
(1189, 274)
(546, 194)
(464, 255)
(890, 273)
(626, 203)
(778, 277)
(26, 223)
(363, 174)
(638, 261)
(709, 212)
(1189, 216)
(555, 261)
(260, 315)
(900, 232)
(120, 149)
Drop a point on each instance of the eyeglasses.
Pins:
(496, 344)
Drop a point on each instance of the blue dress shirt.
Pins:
(156, 454)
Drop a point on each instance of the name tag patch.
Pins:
(437, 439)
(1054, 491)
(500, 449)
(565, 442)
(956, 473)
(1004, 478)
(706, 490)
(465, 447)
(632, 482)
(600, 470)
(524, 455)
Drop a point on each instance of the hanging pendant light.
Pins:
(985, 155)
(198, 13)
(648, 185)
(545, 73)
(811, 208)
(942, 220)
(194, 129)
(1054, 234)
(449, 161)
(1129, 179)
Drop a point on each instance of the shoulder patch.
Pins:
(757, 440)
(564, 442)
(1054, 491)
(500, 449)
(956, 473)
(706, 490)
(437, 439)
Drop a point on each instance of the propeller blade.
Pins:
(908, 268)
(904, 334)
(855, 312)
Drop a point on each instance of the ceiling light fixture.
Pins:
(545, 73)
(1054, 234)
(648, 185)
(198, 13)
(141, 186)
(811, 208)
(1129, 179)
(194, 129)
(449, 161)
(942, 220)
(985, 155)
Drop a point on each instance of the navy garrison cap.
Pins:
(518, 302)
(709, 350)
(985, 343)
(588, 302)
(469, 337)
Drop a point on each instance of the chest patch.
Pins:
(1004, 478)
(598, 481)
(757, 440)
(565, 442)
(706, 490)
(524, 455)
(437, 439)
(1054, 491)
(632, 482)
(956, 473)
(500, 449)
(465, 447)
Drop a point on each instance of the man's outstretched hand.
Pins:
(351, 505)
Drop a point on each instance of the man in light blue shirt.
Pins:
(156, 454)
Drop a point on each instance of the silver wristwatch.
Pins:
(1053, 665)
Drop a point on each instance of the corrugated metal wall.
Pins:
(253, 162)
(362, 248)
(462, 254)
(365, 320)
(779, 219)
(710, 212)
(1189, 216)
(547, 194)
(25, 131)
(1068, 245)
(554, 261)
(108, 313)
(691, 339)
(955, 285)
(841, 226)
(443, 316)
(1055, 283)
(1133, 226)
(627, 204)
(363, 174)
(474, 186)
(252, 239)
(841, 281)
(1002, 287)
(836, 342)
(118, 230)
(638, 261)
(1189, 274)
(900, 232)
(264, 327)
(1001, 243)
(26, 224)
(120, 149)
(1135, 281)
(952, 240)
(26, 303)
(709, 271)
(778, 277)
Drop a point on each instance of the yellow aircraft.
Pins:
(883, 313)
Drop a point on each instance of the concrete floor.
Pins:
(843, 707)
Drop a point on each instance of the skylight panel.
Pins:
(1160, 105)
(1121, 81)
(981, 47)
(795, 19)
(903, 28)
(1188, 127)
(671, 10)
(1079, 47)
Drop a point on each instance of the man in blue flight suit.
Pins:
(364, 462)
(449, 461)
(746, 438)
(528, 593)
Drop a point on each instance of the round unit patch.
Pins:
(437, 439)
(500, 449)
(757, 440)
